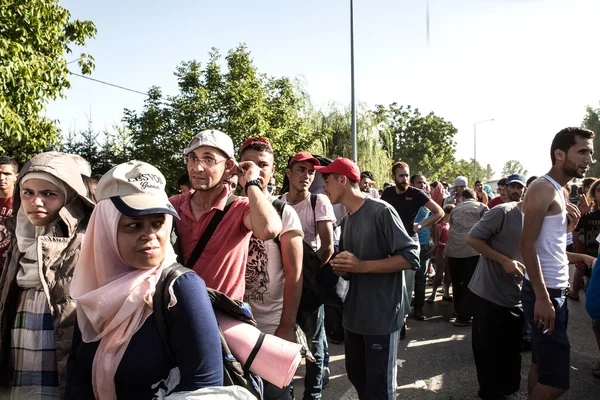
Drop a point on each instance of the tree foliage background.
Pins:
(223, 92)
(228, 93)
(591, 120)
(513, 167)
(35, 37)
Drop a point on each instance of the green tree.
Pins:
(591, 121)
(489, 172)
(424, 142)
(464, 168)
(35, 36)
(333, 130)
(513, 167)
(237, 100)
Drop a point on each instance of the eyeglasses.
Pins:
(204, 162)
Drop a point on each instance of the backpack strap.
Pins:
(279, 206)
(160, 301)
(313, 204)
(208, 232)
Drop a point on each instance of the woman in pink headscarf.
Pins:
(118, 351)
(438, 193)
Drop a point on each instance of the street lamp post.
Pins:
(353, 100)
(475, 147)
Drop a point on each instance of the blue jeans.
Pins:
(550, 352)
(409, 277)
(421, 277)
(313, 325)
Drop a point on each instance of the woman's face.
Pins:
(142, 240)
(597, 194)
(41, 201)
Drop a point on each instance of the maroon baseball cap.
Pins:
(303, 156)
(255, 140)
(342, 166)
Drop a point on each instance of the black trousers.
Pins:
(497, 335)
(461, 272)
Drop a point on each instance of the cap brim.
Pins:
(194, 146)
(311, 159)
(139, 205)
(517, 181)
(191, 148)
(323, 169)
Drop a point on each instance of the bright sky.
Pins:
(531, 65)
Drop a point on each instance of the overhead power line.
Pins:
(109, 84)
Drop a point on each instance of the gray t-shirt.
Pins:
(501, 229)
(373, 305)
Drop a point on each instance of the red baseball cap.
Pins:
(342, 166)
(303, 156)
(254, 140)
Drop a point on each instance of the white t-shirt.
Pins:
(265, 277)
(323, 212)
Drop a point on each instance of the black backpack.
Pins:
(234, 373)
(318, 282)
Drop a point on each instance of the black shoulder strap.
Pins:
(208, 232)
(254, 352)
(279, 206)
(313, 204)
(161, 298)
(313, 201)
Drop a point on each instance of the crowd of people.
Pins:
(82, 258)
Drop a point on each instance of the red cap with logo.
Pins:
(303, 156)
(342, 166)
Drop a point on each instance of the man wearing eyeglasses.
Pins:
(210, 157)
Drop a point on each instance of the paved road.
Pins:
(437, 362)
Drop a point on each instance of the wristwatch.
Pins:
(419, 226)
(253, 182)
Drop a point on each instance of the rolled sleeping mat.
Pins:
(274, 360)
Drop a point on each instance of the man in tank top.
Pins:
(543, 247)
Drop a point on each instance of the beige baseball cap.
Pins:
(136, 188)
(212, 138)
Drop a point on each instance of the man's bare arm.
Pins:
(535, 207)
(437, 213)
(511, 267)
(346, 262)
(325, 232)
(263, 220)
(291, 257)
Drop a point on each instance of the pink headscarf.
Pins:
(438, 194)
(113, 299)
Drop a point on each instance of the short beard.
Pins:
(515, 197)
(570, 169)
(402, 186)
